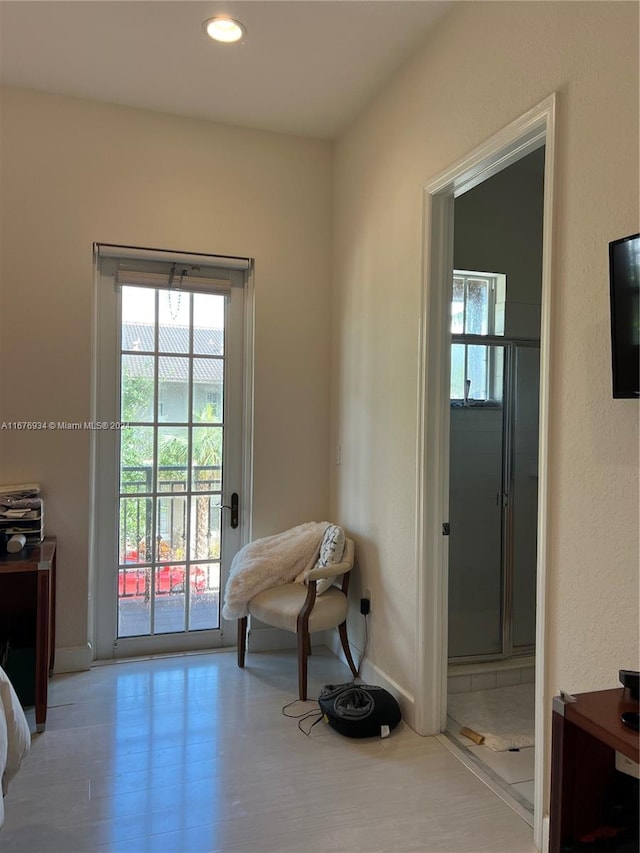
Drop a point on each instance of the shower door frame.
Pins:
(507, 568)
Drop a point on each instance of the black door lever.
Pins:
(234, 510)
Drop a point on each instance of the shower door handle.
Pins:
(502, 499)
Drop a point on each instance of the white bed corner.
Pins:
(15, 736)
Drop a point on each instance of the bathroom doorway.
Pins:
(494, 413)
(533, 130)
(493, 471)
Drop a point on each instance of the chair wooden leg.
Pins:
(342, 630)
(242, 640)
(303, 640)
(309, 644)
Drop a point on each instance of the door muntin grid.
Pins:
(172, 371)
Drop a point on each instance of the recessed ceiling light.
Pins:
(224, 29)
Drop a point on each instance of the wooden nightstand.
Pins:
(28, 608)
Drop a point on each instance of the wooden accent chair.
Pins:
(304, 609)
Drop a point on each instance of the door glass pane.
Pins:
(169, 599)
(136, 459)
(208, 324)
(132, 583)
(208, 377)
(207, 457)
(173, 456)
(171, 526)
(170, 470)
(138, 319)
(205, 527)
(134, 611)
(173, 321)
(475, 543)
(137, 388)
(204, 597)
(135, 530)
(173, 389)
(524, 504)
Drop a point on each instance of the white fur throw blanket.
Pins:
(15, 737)
(268, 562)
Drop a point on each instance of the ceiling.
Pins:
(305, 66)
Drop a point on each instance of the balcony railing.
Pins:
(169, 558)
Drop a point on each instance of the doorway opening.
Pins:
(492, 369)
(493, 472)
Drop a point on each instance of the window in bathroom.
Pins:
(477, 310)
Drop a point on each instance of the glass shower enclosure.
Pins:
(493, 487)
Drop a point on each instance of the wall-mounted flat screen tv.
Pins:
(624, 283)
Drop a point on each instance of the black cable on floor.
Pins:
(305, 715)
(316, 712)
(364, 650)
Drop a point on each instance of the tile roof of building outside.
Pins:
(174, 367)
(140, 337)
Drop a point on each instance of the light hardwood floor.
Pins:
(190, 754)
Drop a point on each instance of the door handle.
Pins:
(234, 510)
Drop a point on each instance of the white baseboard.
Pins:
(544, 844)
(73, 659)
(263, 639)
(371, 674)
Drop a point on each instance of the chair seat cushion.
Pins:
(279, 606)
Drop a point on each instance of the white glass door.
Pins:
(170, 470)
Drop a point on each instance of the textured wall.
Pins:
(74, 172)
(485, 65)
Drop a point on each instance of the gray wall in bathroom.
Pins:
(498, 228)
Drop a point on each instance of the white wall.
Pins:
(485, 65)
(74, 172)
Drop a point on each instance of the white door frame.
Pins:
(532, 130)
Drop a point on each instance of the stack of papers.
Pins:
(19, 492)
